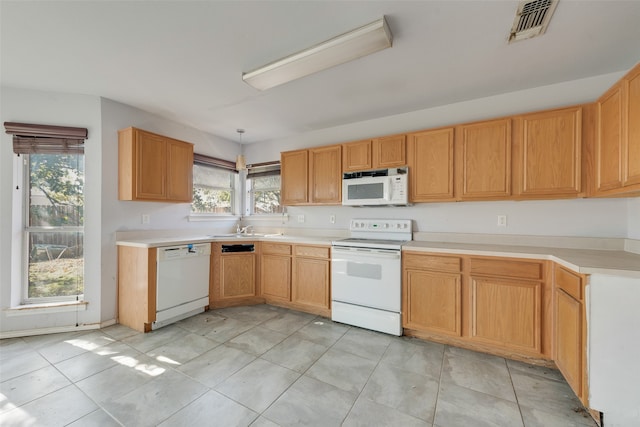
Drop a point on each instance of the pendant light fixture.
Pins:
(241, 164)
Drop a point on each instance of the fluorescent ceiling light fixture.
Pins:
(360, 42)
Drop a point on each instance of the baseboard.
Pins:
(44, 331)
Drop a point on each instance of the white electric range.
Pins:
(366, 276)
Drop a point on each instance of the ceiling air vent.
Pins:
(532, 19)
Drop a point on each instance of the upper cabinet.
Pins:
(483, 160)
(377, 153)
(548, 154)
(153, 167)
(617, 150)
(312, 176)
(430, 161)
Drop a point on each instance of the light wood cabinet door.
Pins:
(389, 151)
(430, 161)
(275, 275)
(356, 156)
(150, 166)
(179, 171)
(549, 146)
(568, 342)
(506, 313)
(609, 141)
(483, 164)
(631, 153)
(432, 302)
(311, 282)
(137, 279)
(325, 175)
(237, 275)
(294, 166)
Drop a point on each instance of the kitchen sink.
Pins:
(235, 236)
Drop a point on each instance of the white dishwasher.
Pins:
(182, 282)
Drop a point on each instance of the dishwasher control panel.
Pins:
(184, 251)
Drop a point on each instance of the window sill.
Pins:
(46, 308)
(212, 217)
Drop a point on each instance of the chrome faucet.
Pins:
(244, 230)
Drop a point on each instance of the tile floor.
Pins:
(268, 366)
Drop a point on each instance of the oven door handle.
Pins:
(366, 252)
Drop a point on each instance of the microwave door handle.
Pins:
(387, 190)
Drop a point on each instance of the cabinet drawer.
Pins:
(431, 262)
(312, 251)
(507, 268)
(276, 248)
(570, 282)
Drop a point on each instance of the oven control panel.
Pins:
(381, 225)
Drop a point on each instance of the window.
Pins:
(53, 200)
(54, 226)
(263, 189)
(214, 186)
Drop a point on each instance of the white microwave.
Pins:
(376, 187)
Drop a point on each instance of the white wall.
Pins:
(19, 105)
(587, 217)
(614, 349)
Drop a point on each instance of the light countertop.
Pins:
(585, 261)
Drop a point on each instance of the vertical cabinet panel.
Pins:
(609, 139)
(432, 302)
(294, 170)
(568, 333)
(631, 170)
(506, 313)
(151, 170)
(550, 146)
(276, 276)
(180, 169)
(237, 276)
(430, 160)
(484, 170)
(325, 175)
(311, 282)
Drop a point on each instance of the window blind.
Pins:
(44, 139)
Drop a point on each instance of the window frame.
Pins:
(250, 208)
(234, 190)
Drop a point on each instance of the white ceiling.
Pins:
(183, 60)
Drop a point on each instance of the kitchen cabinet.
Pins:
(153, 167)
(506, 303)
(275, 271)
(233, 277)
(294, 171)
(548, 154)
(137, 287)
(617, 152)
(431, 165)
(378, 153)
(570, 329)
(432, 293)
(310, 286)
(483, 160)
(312, 176)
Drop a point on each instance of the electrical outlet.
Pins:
(502, 220)
(301, 218)
(332, 219)
(146, 218)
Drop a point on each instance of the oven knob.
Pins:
(386, 225)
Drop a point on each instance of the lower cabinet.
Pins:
(311, 278)
(137, 287)
(296, 276)
(570, 329)
(432, 294)
(490, 304)
(232, 278)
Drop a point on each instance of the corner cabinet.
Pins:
(312, 177)
(548, 154)
(153, 167)
(483, 160)
(570, 330)
(617, 151)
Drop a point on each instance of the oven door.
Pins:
(366, 277)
